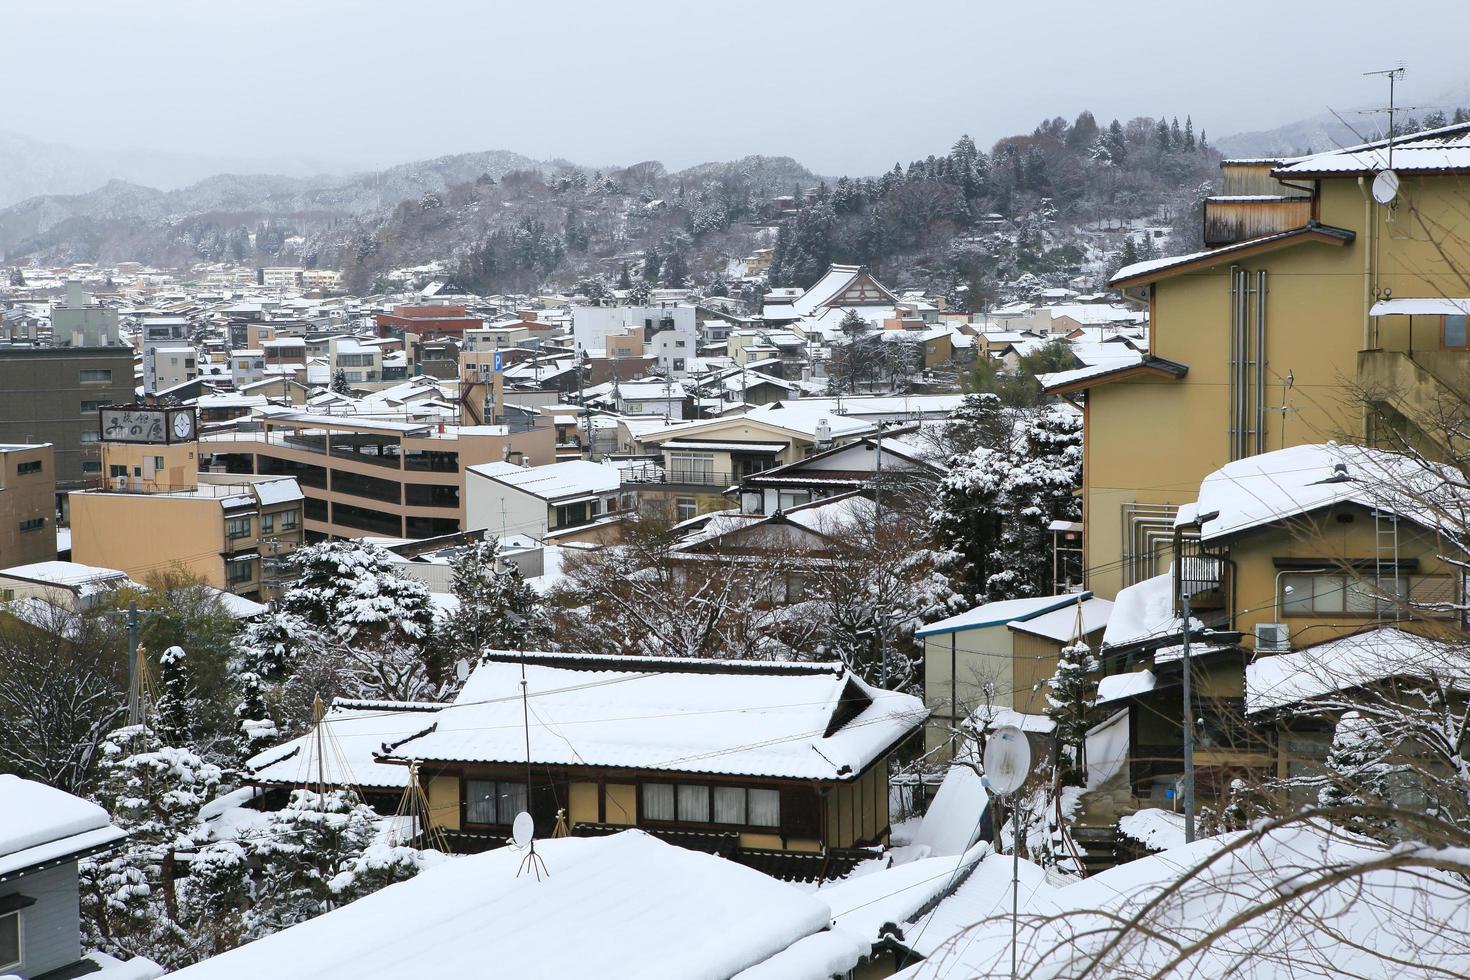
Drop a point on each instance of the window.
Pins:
(32, 524)
(116, 470)
(691, 467)
(157, 463)
(237, 527)
(678, 364)
(764, 807)
(30, 466)
(1455, 332)
(90, 437)
(493, 801)
(91, 466)
(735, 806)
(693, 804)
(658, 802)
(288, 520)
(267, 523)
(239, 571)
(686, 507)
(95, 374)
(9, 940)
(91, 405)
(1341, 594)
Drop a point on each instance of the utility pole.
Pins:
(1188, 670)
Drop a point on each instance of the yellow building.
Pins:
(27, 504)
(1283, 553)
(228, 535)
(1345, 326)
(780, 766)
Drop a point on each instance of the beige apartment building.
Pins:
(27, 504)
(374, 477)
(229, 535)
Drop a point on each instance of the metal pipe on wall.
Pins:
(1260, 393)
(1234, 361)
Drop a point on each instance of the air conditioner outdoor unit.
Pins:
(1273, 638)
(119, 483)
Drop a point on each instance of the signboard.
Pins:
(497, 362)
(152, 426)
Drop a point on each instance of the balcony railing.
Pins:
(680, 476)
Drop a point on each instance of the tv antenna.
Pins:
(1393, 75)
(523, 830)
(1007, 764)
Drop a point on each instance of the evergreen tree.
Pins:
(652, 262)
(1189, 143)
(675, 271)
(1176, 136)
(132, 902)
(1071, 693)
(17, 277)
(304, 850)
(639, 293)
(1357, 774)
(980, 421)
(257, 729)
(177, 700)
(339, 383)
(625, 281)
(497, 609)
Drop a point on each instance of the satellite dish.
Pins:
(462, 670)
(523, 830)
(1007, 759)
(1386, 187)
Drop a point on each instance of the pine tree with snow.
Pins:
(177, 700)
(131, 897)
(256, 729)
(1070, 696)
(1357, 773)
(350, 594)
(497, 609)
(339, 383)
(302, 852)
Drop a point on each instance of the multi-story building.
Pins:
(375, 477)
(27, 504)
(359, 363)
(153, 514)
(78, 322)
(670, 332)
(427, 321)
(52, 394)
(170, 333)
(1324, 312)
(574, 500)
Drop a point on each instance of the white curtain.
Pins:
(730, 804)
(765, 807)
(658, 801)
(694, 804)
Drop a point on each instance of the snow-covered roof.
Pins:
(1298, 480)
(66, 574)
(1348, 662)
(1066, 927)
(1143, 611)
(1446, 149)
(625, 905)
(353, 733)
(1423, 306)
(39, 824)
(708, 716)
(1004, 612)
(554, 481)
(1114, 687)
(273, 492)
(1061, 624)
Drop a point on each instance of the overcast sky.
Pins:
(845, 87)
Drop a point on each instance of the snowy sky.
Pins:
(845, 87)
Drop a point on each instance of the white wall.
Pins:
(492, 506)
